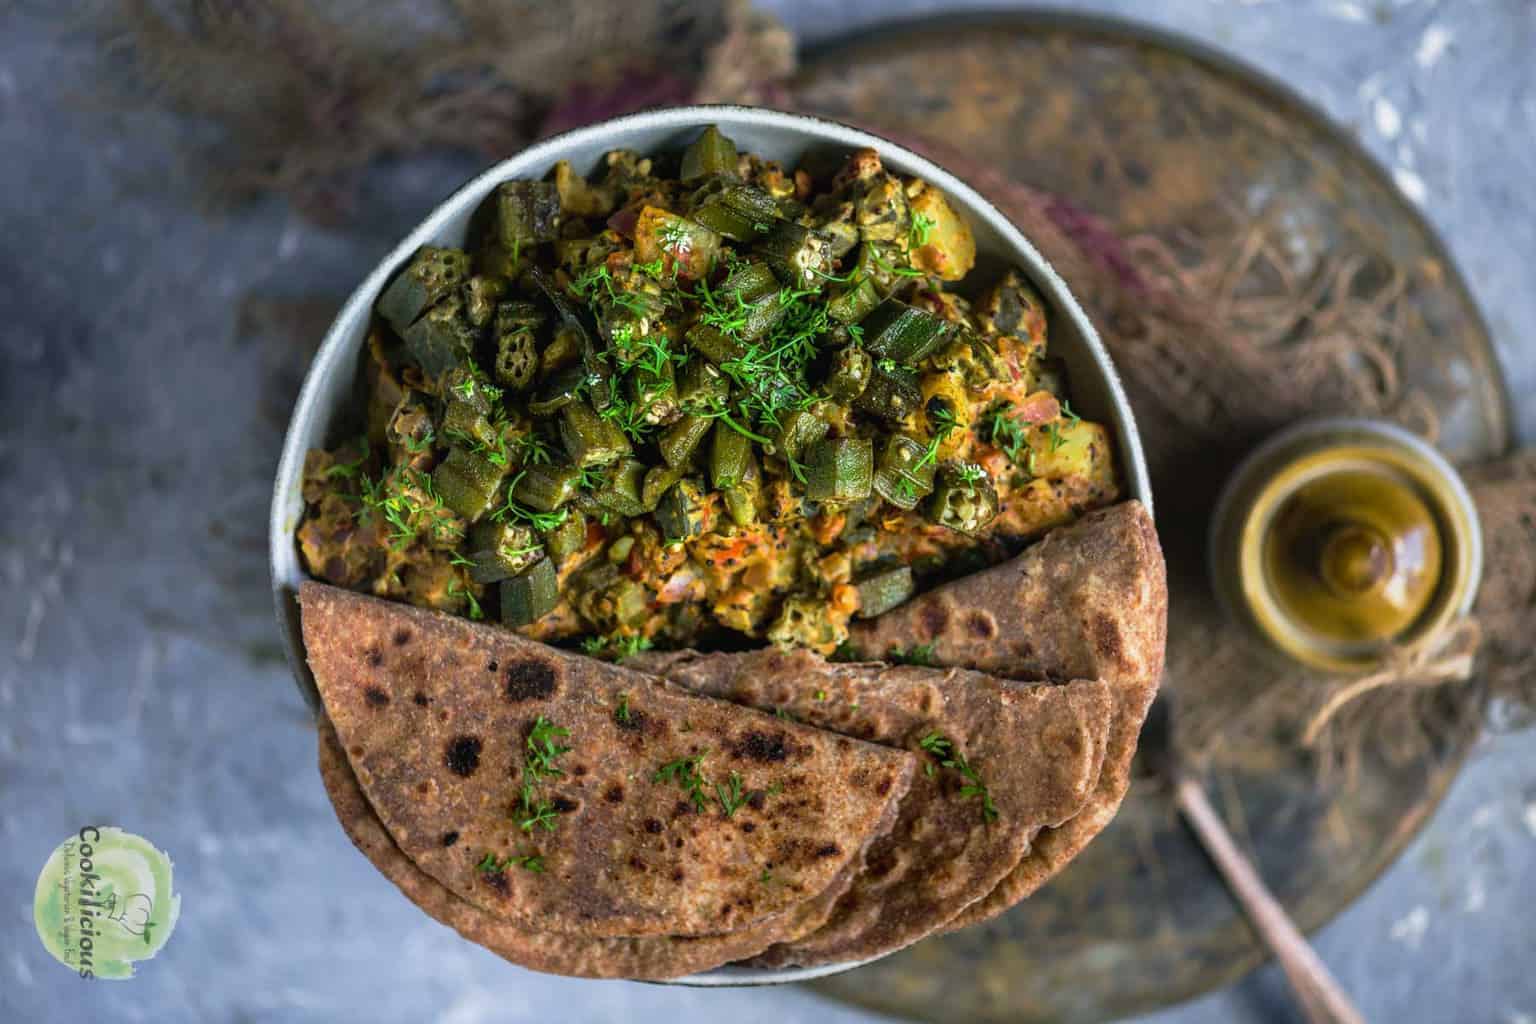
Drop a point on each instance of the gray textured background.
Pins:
(138, 684)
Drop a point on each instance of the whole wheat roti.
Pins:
(650, 959)
(1037, 749)
(1088, 601)
(437, 715)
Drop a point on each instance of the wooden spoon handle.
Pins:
(1321, 998)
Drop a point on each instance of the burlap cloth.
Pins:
(1218, 341)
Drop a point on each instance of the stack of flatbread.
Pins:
(687, 810)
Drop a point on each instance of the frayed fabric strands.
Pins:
(304, 96)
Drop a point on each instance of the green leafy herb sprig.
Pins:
(541, 750)
(489, 865)
(942, 749)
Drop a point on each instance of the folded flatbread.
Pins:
(669, 814)
(1090, 600)
(652, 959)
(1033, 754)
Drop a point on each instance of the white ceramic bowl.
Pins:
(329, 388)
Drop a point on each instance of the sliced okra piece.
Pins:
(963, 499)
(710, 153)
(463, 422)
(800, 256)
(853, 301)
(848, 373)
(589, 439)
(704, 386)
(906, 334)
(567, 537)
(891, 394)
(530, 595)
(658, 480)
(904, 475)
(559, 390)
(546, 488)
(713, 344)
(839, 469)
(729, 451)
(467, 482)
(620, 488)
(741, 500)
(442, 339)
(482, 294)
(798, 431)
(884, 590)
(739, 212)
(680, 513)
(653, 394)
(682, 439)
(517, 348)
(527, 213)
(501, 549)
(432, 275)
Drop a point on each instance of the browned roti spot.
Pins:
(463, 755)
(761, 746)
(497, 881)
(934, 619)
(529, 679)
(677, 874)
(981, 625)
(449, 838)
(375, 657)
(827, 850)
(652, 825)
(748, 827)
(637, 864)
(402, 637)
(1069, 742)
(356, 750)
(492, 666)
(883, 786)
(614, 794)
(420, 699)
(579, 770)
(1106, 638)
(423, 787)
(376, 697)
(564, 805)
(880, 865)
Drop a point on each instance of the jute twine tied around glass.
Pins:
(1221, 339)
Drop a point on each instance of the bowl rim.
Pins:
(542, 155)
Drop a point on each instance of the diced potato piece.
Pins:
(687, 246)
(948, 387)
(949, 249)
(1066, 448)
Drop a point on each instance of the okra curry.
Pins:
(700, 400)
